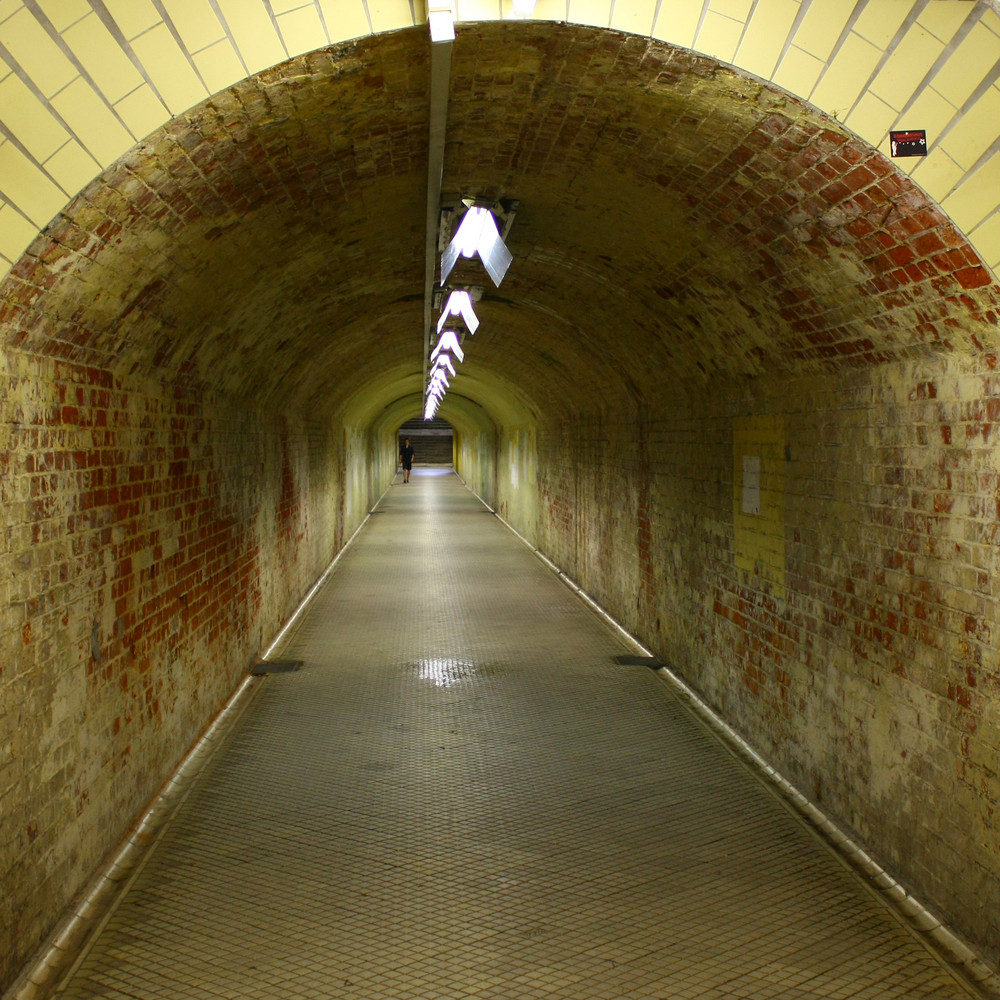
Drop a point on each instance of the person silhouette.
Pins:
(406, 459)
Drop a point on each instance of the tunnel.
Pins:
(739, 382)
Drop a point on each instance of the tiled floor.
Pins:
(461, 794)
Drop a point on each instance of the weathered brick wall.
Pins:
(154, 542)
(855, 643)
(475, 462)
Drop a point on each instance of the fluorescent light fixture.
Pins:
(439, 378)
(441, 20)
(443, 362)
(448, 342)
(460, 304)
(478, 234)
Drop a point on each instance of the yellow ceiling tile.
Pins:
(636, 17)
(219, 66)
(798, 71)
(719, 36)
(301, 30)
(739, 10)
(72, 168)
(477, 10)
(765, 36)
(871, 119)
(195, 22)
(907, 67)
(976, 196)
(16, 233)
(980, 50)
(9, 7)
(678, 22)
(102, 57)
(986, 239)
(27, 188)
(550, 10)
(92, 122)
(30, 121)
(253, 33)
(975, 131)
(930, 112)
(846, 76)
(284, 6)
(387, 15)
(133, 16)
(36, 53)
(344, 19)
(937, 173)
(942, 18)
(991, 20)
(881, 19)
(597, 12)
(63, 13)
(142, 111)
(822, 25)
(169, 69)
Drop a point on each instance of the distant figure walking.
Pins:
(406, 459)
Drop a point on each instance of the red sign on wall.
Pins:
(908, 143)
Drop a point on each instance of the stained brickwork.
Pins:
(154, 542)
(201, 350)
(871, 678)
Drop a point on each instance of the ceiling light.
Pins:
(443, 361)
(460, 304)
(439, 378)
(448, 342)
(478, 234)
(441, 20)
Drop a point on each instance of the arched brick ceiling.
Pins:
(81, 81)
(677, 221)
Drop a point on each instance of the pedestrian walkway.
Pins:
(463, 793)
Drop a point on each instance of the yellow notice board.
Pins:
(759, 499)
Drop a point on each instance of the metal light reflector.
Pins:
(448, 342)
(478, 234)
(443, 362)
(439, 378)
(460, 304)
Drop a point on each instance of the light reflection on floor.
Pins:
(444, 672)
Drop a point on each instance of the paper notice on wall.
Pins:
(751, 484)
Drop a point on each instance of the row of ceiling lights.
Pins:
(477, 235)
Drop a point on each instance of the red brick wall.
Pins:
(154, 542)
(872, 681)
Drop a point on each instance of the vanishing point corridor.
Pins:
(467, 790)
(700, 297)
